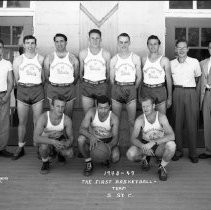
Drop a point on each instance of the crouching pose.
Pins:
(99, 124)
(157, 138)
(50, 132)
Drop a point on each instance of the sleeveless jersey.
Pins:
(153, 72)
(101, 129)
(94, 67)
(30, 70)
(61, 70)
(152, 131)
(50, 127)
(125, 69)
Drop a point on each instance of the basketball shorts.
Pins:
(67, 91)
(92, 90)
(123, 93)
(30, 95)
(159, 94)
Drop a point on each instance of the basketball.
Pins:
(100, 153)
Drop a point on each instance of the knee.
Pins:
(68, 153)
(131, 154)
(170, 146)
(115, 156)
(81, 140)
(43, 149)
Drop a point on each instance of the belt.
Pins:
(124, 83)
(207, 89)
(180, 86)
(28, 84)
(156, 85)
(3, 92)
(94, 83)
(60, 85)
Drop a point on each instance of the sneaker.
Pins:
(145, 166)
(162, 173)
(5, 153)
(45, 167)
(88, 168)
(61, 158)
(18, 153)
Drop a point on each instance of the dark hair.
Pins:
(59, 98)
(181, 40)
(1, 42)
(102, 99)
(146, 98)
(29, 37)
(60, 35)
(123, 34)
(153, 37)
(95, 31)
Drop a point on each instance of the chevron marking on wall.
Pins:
(99, 23)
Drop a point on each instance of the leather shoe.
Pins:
(5, 153)
(194, 159)
(204, 156)
(18, 153)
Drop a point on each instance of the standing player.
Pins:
(94, 70)
(99, 124)
(29, 77)
(6, 85)
(156, 71)
(157, 138)
(125, 77)
(49, 133)
(61, 72)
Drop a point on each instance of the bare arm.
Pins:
(69, 131)
(41, 61)
(74, 61)
(82, 56)
(46, 65)
(16, 64)
(107, 57)
(137, 62)
(112, 69)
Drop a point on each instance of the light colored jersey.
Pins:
(94, 67)
(61, 70)
(152, 131)
(50, 127)
(125, 69)
(30, 70)
(153, 72)
(101, 129)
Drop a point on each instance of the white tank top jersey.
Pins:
(50, 127)
(61, 70)
(125, 69)
(101, 129)
(30, 70)
(153, 72)
(152, 131)
(94, 67)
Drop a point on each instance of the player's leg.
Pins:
(87, 103)
(37, 109)
(69, 108)
(117, 108)
(161, 107)
(44, 150)
(131, 111)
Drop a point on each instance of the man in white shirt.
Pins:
(6, 85)
(185, 74)
(205, 103)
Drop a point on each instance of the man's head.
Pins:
(60, 41)
(123, 41)
(153, 43)
(1, 47)
(58, 104)
(103, 105)
(148, 105)
(181, 48)
(95, 38)
(29, 43)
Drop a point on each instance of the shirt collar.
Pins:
(185, 61)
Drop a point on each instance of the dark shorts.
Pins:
(91, 90)
(123, 93)
(159, 94)
(67, 91)
(30, 95)
(153, 148)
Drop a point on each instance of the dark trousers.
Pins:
(185, 110)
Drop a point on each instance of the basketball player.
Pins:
(61, 72)
(156, 71)
(99, 124)
(29, 77)
(49, 133)
(157, 138)
(125, 77)
(94, 70)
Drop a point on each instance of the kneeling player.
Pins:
(157, 138)
(99, 124)
(49, 133)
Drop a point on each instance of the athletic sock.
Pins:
(21, 144)
(164, 163)
(45, 159)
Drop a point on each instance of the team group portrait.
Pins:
(118, 98)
